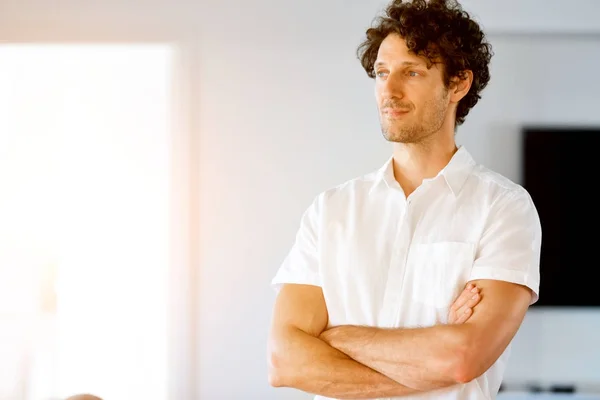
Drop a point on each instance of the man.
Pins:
(374, 298)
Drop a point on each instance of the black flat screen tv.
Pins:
(561, 173)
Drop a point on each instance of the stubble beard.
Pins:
(412, 132)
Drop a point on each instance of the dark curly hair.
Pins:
(438, 30)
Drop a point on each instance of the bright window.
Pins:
(85, 184)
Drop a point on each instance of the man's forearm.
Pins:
(421, 358)
(307, 363)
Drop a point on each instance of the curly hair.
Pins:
(438, 30)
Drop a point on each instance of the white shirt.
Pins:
(385, 260)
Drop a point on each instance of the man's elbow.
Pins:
(467, 372)
(464, 374)
(275, 379)
(275, 370)
(282, 367)
(467, 364)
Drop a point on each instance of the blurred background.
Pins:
(156, 157)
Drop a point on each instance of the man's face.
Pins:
(412, 99)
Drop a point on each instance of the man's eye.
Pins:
(413, 73)
(380, 74)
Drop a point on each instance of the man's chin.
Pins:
(396, 137)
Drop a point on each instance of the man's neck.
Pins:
(415, 162)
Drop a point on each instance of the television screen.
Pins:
(560, 171)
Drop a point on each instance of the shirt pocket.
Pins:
(439, 271)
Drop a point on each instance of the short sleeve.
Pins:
(301, 265)
(509, 249)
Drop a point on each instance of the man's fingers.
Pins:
(464, 315)
(473, 300)
(464, 297)
(462, 308)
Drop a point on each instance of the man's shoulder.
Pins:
(494, 180)
(502, 193)
(339, 196)
(352, 187)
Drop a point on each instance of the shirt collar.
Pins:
(455, 173)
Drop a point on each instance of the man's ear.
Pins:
(460, 85)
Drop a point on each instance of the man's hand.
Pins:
(462, 308)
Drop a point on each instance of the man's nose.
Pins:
(393, 86)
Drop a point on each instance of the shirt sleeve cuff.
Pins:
(288, 277)
(507, 275)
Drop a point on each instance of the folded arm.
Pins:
(428, 358)
(299, 359)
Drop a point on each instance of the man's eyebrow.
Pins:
(405, 64)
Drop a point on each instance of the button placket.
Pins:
(392, 297)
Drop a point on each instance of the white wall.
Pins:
(283, 110)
